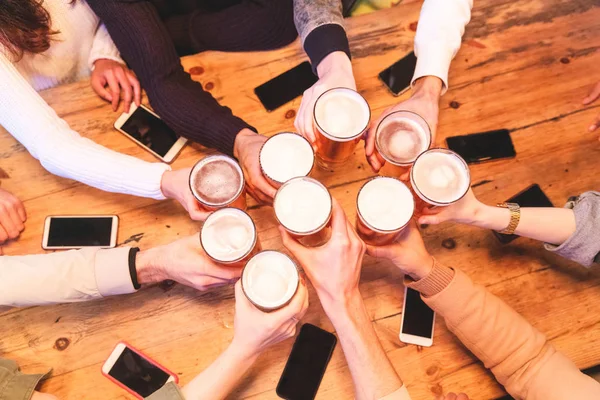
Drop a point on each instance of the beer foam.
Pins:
(401, 140)
(302, 205)
(270, 279)
(342, 113)
(217, 180)
(286, 156)
(385, 204)
(441, 176)
(228, 234)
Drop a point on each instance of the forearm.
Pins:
(220, 378)
(439, 34)
(68, 276)
(182, 103)
(518, 355)
(373, 375)
(320, 26)
(546, 224)
(103, 48)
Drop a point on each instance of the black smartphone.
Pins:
(398, 76)
(307, 363)
(286, 87)
(484, 146)
(533, 196)
(418, 320)
(76, 231)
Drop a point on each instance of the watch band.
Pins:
(515, 217)
(132, 267)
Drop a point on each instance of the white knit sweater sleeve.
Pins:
(439, 35)
(63, 151)
(103, 47)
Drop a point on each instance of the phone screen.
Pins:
(533, 196)
(418, 317)
(306, 365)
(80, 232)
(398, 76)
(138, 373)
(485, 146)
(150, 131)
(286, 87)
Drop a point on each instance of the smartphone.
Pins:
(150, 132)
(398, 76)
(63, 232)
(286, 87)
(135, 372)
(307, 363)
(533, 196)
(484, 146)
(417, 320)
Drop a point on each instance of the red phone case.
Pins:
(176, 378)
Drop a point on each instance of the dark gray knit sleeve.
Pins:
(583, 246)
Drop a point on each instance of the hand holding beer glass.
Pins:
(284, 156)
(255, 330)
(424, 102)
(440, 177)
(334, 268)
(217, 182)
(341, 117)
(229, 237)
(303, 207)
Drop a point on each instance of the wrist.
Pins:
(491, 217)
(165, 184)
(342, 305)
(240, 140)
(335, 62)
(243, 351)
(423, 267)
(429, 87)
(148, 267)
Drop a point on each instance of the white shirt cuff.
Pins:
(112, 272)
(433, 60)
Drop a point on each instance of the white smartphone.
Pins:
(76, 231)
(149, 131)
(418, 320)
(135, 372)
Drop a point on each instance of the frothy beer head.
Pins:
(217, 180)
(401, 137)
(341, 114)
(385, 204)
(302, 205)
(270, 279)
(285, 156)
(440, 177)
(228, 235)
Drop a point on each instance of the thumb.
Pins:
(379, 251)
(430, 220)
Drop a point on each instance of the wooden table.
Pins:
(523, 65)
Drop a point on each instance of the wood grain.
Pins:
(524, 66)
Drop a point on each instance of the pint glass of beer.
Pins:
(270, 280)
(303, 207)
(217, 181)
(229, 236)
(440, 177)
(341, 116)
(384, 206)
(400, 138)
(284, 156)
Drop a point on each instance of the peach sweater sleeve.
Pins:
(519, 356)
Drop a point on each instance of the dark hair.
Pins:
(24, 27)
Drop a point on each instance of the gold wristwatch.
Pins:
(515, 217)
